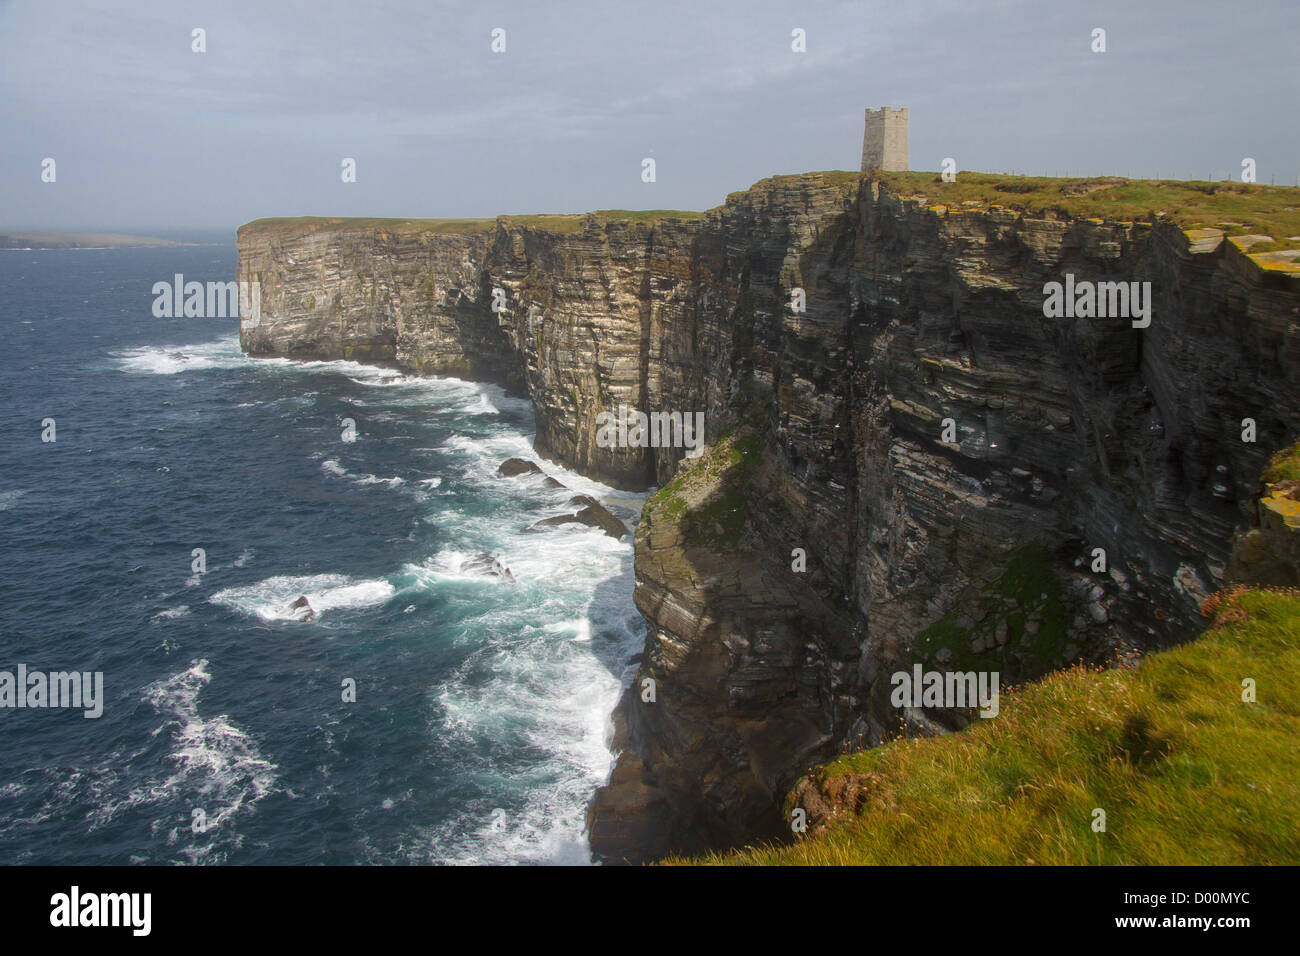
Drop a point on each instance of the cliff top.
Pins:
(563, 223)
(1263, 221)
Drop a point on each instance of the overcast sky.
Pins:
(149, 136)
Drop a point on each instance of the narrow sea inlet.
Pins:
(477, 733)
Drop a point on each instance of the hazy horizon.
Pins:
(150, 137)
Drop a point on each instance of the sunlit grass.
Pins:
(1186, 772)
(561, 223)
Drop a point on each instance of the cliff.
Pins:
(1136, 742)
(970, 547)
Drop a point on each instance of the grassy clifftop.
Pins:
(1263, 220)
(1186, 771)
(562, 223)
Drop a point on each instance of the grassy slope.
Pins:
(1186, 771)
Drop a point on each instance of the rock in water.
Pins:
(301, 609)
(484, 563)
(594, 515)
(513, 467)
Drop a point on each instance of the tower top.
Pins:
(884, 140)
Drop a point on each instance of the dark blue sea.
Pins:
(478, 730)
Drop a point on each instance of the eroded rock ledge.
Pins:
(825, 430)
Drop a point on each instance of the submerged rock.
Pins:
(484, 563)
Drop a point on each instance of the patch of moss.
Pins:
(720, 521)
(1027, 589)
(1284, 466)
(709, 498)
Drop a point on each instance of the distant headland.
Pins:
(80, 240)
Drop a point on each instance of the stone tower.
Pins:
(884, 144)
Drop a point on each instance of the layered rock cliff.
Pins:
(917, 468)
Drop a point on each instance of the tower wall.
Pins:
(884, 141)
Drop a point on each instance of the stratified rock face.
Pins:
(972, 550)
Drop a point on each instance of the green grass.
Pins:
(1238, 209)
(1285, 466)
(562, 223)
(1186, 772)
(709, 498)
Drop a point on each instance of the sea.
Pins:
(432, 712)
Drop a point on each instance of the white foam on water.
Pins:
(544, 657)
(448, 393)
(173, 359)
(9, 498)
(331, 466)
(448, 564)
(205, 762)
(577, 630)
(546, 660)
(268, 600)
(550, 687)
(213, 760)
(376, 480)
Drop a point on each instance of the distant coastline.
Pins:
(80, 240)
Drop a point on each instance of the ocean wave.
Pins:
(331, 466)
(554, 695)
(268, 600)
(173, 359)
(449, 394)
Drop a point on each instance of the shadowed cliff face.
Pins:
(972, 550)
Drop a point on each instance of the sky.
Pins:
(149, 136)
